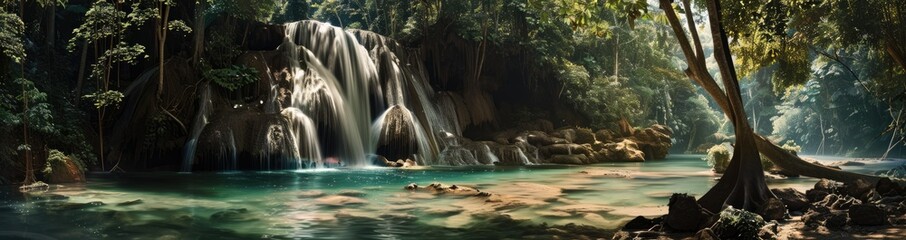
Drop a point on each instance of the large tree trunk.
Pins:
(777, 155)
(742, 185)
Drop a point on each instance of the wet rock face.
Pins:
(397, 138)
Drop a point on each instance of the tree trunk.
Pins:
(742, 185)
(162, 46)
(199, 31)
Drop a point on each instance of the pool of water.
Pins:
(304, 204)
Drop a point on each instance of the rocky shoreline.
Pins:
(830, 210)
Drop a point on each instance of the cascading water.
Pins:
(304, 138)
(333, 81)
(201, 119)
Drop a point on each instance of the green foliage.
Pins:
(834, 112)
(292, 10)
(220, 49)
(103, 21)
(738, 224)
(54, 158)
(233, 77)
(38, 114)
(178, 26)
(254, 10)
(718, 158)
(11, 36)
(105, 98)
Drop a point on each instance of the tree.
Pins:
(163, 25)
(105, 28)
(35, 113)
(743, 185)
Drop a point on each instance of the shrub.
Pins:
(718, 158)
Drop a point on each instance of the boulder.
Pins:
(605, 135)
(567, 133)
(584, 136)
(867, 215)
(624, 151)
(822, 188)
(538, 138)
(792, 198)
(684, 214)
(654, 141)
(398, 137)
(63, 169)
(857, 188)
(773, 209)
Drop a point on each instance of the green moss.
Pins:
(738, 224)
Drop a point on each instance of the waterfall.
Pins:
(336, 56)
(399, 122)
(304, 137)
(201, 119)
(485, 156)
(344, 95)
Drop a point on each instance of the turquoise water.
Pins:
(303, 204)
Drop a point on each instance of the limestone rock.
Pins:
(624, 151)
